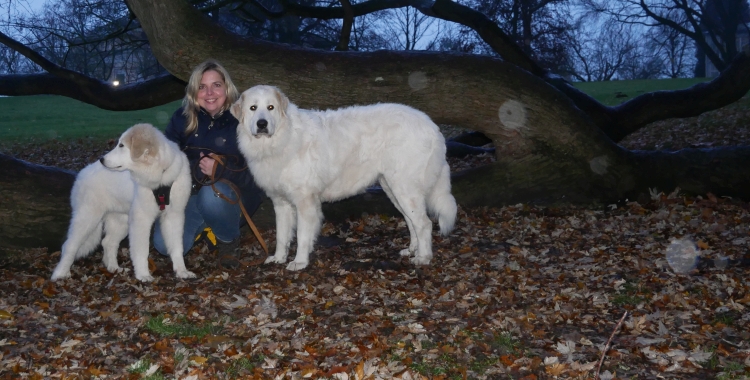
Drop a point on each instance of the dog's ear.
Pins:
(144, 144)
(282, 100)
(236, 108)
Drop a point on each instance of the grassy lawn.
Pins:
(607, 92)
(44, 117)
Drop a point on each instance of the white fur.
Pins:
(307, 157)
(116, 195)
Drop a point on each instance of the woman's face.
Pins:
(212, 92)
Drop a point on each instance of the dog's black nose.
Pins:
(262, 126)
(101, 160)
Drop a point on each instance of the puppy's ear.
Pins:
(236, 109)
(282, 100)
(144, 144)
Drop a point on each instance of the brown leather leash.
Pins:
(219, 160)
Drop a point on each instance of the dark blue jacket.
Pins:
(216, 135)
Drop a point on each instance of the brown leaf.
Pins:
(162, 345)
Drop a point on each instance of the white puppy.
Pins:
(302, 158)
(118, 195)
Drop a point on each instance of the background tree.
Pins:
(601, 50)
(711, 24)
(676, 50)
(407, 28)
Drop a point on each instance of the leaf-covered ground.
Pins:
(514, 292)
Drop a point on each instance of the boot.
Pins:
(229, 253)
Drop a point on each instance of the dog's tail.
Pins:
(441, 202)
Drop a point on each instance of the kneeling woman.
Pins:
(207, 132)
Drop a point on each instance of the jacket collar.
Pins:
(215, 117)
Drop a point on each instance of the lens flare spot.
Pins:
(682, 255)
(512, 114)
(418, 80)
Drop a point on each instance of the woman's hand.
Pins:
(207, 163)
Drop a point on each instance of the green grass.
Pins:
(606, 92)
(179, 328)
(631, 295)
(43, 117)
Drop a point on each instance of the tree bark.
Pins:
(34, 204)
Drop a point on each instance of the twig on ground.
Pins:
(606, 346)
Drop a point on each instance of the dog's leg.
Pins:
(172, 228)
(285, 223)
(115, 229)
(415, 213)
(412, 235)
(309, 216)
(84, 234)
(141, 220)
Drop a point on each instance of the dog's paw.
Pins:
(185, 274)
(60, 275)
(420, 260)
(274, 259)
(144, 278)
(114, 268)
(295, 266)
(405, 252)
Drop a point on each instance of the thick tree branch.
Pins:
(138, 96)
(727, 88)
(361, 9)
(490, 33)
(61, 81)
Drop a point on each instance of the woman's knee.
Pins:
(219, 192)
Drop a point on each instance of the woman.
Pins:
(207, 132)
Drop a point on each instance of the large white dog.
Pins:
(119, 195)
(302, 158)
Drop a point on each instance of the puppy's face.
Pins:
(261, 110)
(138, 145)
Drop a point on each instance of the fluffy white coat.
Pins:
(116, 195)
(301, 158)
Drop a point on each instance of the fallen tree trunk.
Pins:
(34, 204)
(35, 207)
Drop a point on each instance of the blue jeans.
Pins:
(206, 209)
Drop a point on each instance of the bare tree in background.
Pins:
(676, 50)
(539, 27)
(601, 50)
(711, 24)
(408, 29)
(92, 38)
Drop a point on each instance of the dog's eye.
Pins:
(270, 108)
(253, 108)
(121, 145)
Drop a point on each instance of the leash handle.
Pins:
(219, 160)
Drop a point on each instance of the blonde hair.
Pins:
(190, 101)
